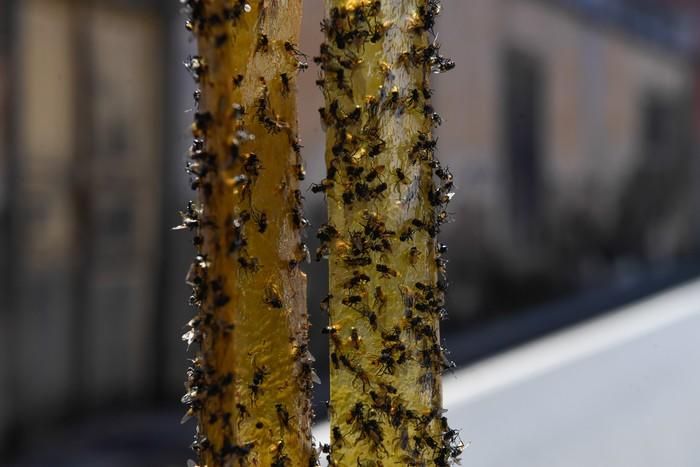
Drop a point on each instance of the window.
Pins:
(664, 128)
(522, 127)
(653, 203)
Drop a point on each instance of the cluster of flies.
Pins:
(357, 139)
(205, 384)
(357, 182)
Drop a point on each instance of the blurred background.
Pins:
(571, 127)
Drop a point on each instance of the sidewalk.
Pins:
(622, 390)
(619, 391)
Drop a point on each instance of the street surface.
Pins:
(620, 391)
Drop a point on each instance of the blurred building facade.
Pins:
(82, 189)
(571, 133)
(568, 127)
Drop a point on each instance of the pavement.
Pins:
(622, 390)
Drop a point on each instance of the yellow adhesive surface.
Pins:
(260, 334)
